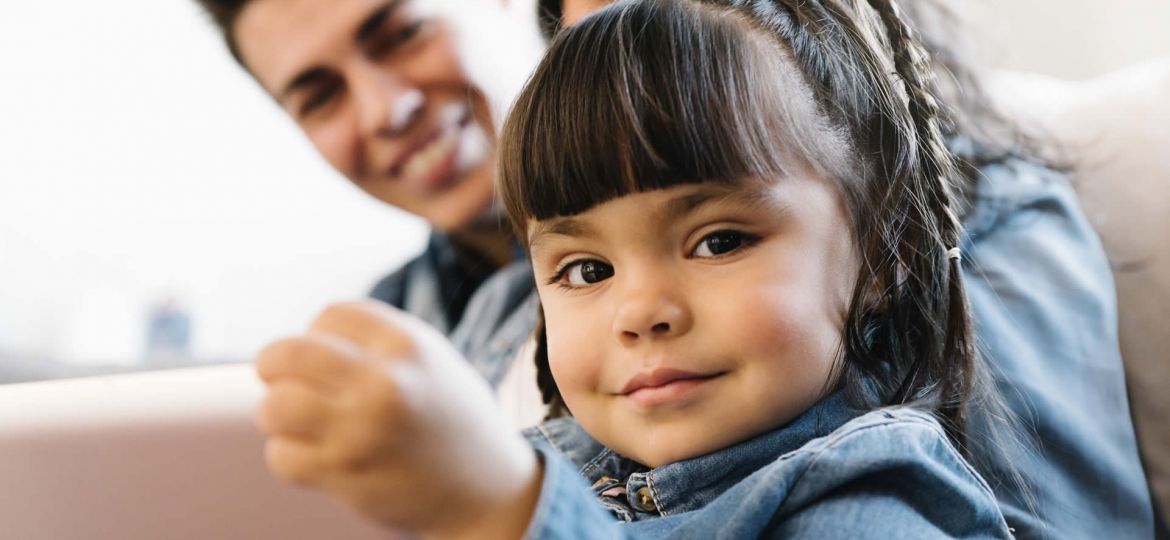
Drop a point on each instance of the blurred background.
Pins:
(1069, 39)
(158, 210)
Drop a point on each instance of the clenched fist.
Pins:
(376, 408)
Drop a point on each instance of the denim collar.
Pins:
(632, 491)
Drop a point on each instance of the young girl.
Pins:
(742, 228)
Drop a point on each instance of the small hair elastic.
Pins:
(955, 253)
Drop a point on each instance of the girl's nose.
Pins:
(650, 313)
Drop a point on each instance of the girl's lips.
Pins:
(664, 385)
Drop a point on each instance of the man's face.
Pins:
(378, 88)
(574, 10)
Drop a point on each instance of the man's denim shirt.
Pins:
(1045, 312)
(831, 473)
(489, 325)
(1042, 296)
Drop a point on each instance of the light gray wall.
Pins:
(1071, 39)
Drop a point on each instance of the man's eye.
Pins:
(583, 273)
(722, 243)
(398, 37)
(409, 31)
(319, 98)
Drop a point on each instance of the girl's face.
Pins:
(685, 320)
(378, 88)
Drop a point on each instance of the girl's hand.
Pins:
(376, 408)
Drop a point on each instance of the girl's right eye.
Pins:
(581, 273)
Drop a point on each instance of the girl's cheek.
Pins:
(770, 320)
(566, 369)
(803, 334)
(569, 350)
(559, 339)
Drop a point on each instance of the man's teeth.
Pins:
(427, 158)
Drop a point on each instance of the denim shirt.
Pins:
(831, 473)
(1042, 296)
(488, 316)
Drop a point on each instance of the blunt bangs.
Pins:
(649, 95)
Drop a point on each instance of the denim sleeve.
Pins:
(567, 508)
(896, 480)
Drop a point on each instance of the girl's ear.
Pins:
(549, 393)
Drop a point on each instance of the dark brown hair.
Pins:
(649, 94)
(977, 132)
(224, 14)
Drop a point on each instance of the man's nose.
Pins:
(388, 105)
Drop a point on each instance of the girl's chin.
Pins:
(666, 452)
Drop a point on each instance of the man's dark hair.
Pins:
(224, 14)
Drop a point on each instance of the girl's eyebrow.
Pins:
(755, 199)
(567, 226)
(674, 209)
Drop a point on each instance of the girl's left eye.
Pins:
(721, 243)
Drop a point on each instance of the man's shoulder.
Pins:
(392, 287)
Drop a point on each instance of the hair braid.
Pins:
(912, 64)
(549, 393)
(937, 173)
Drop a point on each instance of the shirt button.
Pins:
(602, 481)
(644, 500)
